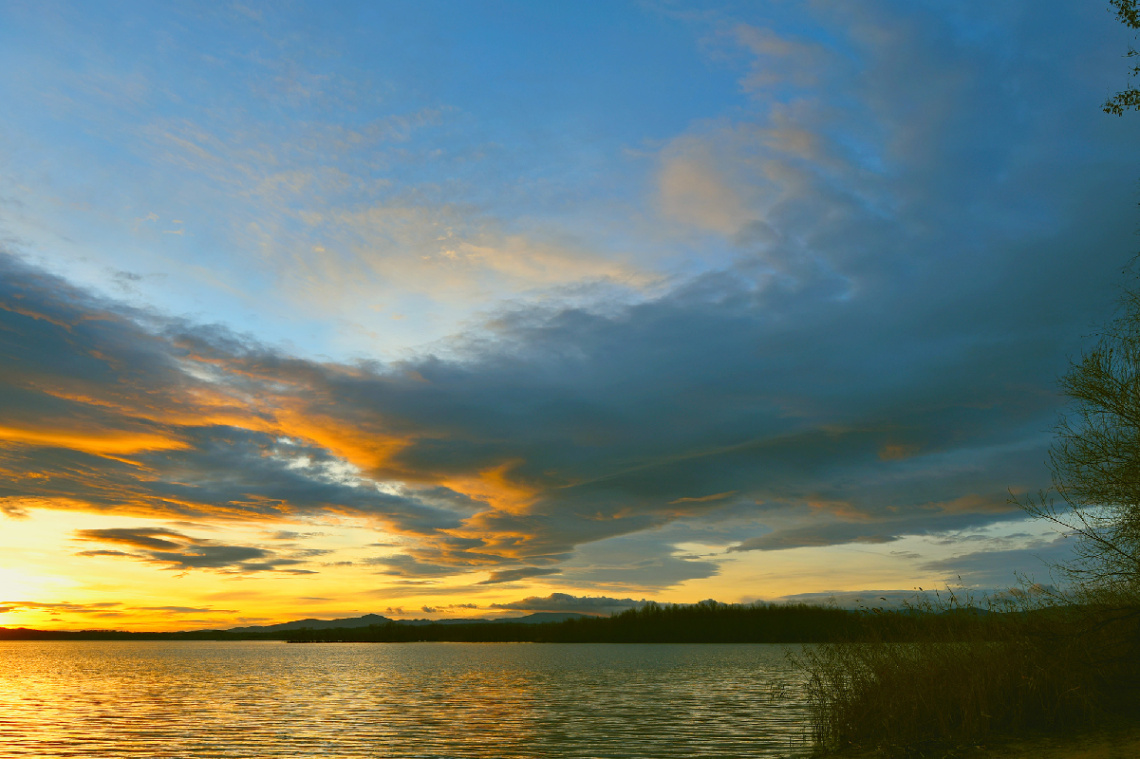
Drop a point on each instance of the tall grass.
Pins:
(962, 675)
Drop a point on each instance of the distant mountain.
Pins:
(375, 619)
(315, 624)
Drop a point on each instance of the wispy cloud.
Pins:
(175, 551)
(521, 573)
(993, 567)
(568, 602)
(103, 608)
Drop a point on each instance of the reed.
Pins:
(931, 679)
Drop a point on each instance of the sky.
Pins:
(441, 309)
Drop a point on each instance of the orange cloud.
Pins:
(99, 443)
(495, 486)
(974, 503)
(366, 449)
(704, 498)
(897, 451)
(845, 510)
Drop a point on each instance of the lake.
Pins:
(424, 700)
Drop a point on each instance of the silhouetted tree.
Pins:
(1129, 98)
(1095, 458)
(1095, 461)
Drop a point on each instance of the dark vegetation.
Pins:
(919, 684)
(706, 622)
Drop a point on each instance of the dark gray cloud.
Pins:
(173, 550)
(520, 573)
(642, 562)
(991, 568)
(148, 538)
(403, 565)
(941, 519)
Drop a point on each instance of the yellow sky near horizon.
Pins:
(39, 566)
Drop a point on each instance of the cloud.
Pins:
(175, 551)
(567, 602)
(138, 538)
(704, 498)
(188, 609)
(291, 535)
(992, 568)
(697, 186)
(331, 234)
(778, 59)
(110, 408)
(521, 573)
(61, 607)
(404, 565)
(821, 535)
(646, 562)
(865, 599)
(103, 608)
(554, 429)
(13, 508)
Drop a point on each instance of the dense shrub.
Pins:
(926, 680)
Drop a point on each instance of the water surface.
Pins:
(503, 700)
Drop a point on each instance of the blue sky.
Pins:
(482, 302)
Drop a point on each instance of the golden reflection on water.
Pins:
(508, 701)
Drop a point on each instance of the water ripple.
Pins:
(422, 700)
